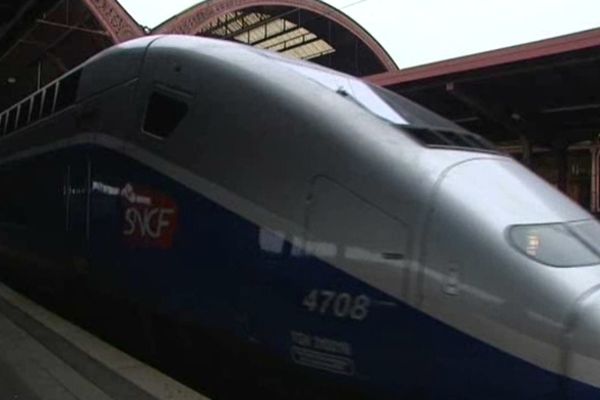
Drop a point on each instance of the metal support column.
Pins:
(39, 75)
(562, 167)
(595, 177)
(526, 148)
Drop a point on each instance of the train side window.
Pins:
(25, 108)
(37, 106)
(49, 97)
(12, 120)
(163, 114)
(67, 91)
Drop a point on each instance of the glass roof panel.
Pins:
(276, 34)
(311, 50)
(282, 37)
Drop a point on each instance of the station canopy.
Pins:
(547, 92)
(42, 39)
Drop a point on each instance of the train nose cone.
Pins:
(506, 193)
(582, 344)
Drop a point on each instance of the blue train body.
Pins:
(89, 198)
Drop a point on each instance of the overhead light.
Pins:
(12, 80)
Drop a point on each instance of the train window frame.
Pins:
(36, 106)
(48, 108)
(41, 104)
(172, 94)
(351, 88)
(67, 90)
(12, 116)
(426, 137)
(24, 114)
(454, 139)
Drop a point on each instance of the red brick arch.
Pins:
(119, 25)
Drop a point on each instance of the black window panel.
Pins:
(163, 114)
(24, 114)
(458, 140)
(474, 143)
(11, 205)
(37, 106)
(49, 101)
(426, 136)
(412, 112)
(484, 144)
(44, 196)
(2, 123)
(447, 138)
(34, 198)
(67, 91)
(12, 119)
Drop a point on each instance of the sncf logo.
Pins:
(150, 218)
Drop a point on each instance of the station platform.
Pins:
(44, 357)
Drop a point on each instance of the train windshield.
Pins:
(354, 89)
(589, 232)
(381, 102)
(415, 114)
(559, 245)
(426, 127)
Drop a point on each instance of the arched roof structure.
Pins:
(42, 39)
(305, 29)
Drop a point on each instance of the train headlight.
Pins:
(533, 244)
(556, 245)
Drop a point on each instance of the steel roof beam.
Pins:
(28, 5)
(295, 46)
(260, 23)
(73, 27)
(578, 107)
(275, 36)
(63, 36)
(226, 23)
(25, 34)
(488, 112)
(293, 39)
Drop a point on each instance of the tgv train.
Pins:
(337, 230)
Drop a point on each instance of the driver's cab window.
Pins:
(164, 112)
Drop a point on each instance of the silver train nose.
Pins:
(582, 343)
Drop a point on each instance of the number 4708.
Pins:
(341, 305)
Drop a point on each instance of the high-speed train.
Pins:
(329, 228)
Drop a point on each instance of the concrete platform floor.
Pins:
(44, 357)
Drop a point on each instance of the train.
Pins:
(304, 219)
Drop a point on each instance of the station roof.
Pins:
(41, 39)
(304, 29)
(548, 90)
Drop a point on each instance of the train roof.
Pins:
(123, 63)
